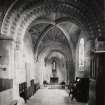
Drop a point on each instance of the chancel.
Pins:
(52, 52)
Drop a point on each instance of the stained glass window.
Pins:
(81, 54)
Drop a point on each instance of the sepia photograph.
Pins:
(52, 52)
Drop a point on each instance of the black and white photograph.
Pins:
(52, 52)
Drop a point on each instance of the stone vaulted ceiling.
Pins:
(60, 36)
(54, 39)
(36, 31)
(21, 13)
(55, 36)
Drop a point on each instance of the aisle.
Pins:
(52, 97)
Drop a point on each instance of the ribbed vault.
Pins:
(57, 56)
(53, 36)
(66, 33)
(21, 14)
(56, 51)
(50, 46)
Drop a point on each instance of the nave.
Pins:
(51, 42)
(52, 97)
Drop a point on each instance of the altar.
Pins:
(54, 80)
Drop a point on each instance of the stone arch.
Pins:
(58, 51)
(58, 48)
(21, 15)
(55, 54)
(68, 61)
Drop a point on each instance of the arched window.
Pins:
(81, 54)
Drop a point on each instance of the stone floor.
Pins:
(52, 97)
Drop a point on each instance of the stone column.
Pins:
(18, 61)
(15, 85)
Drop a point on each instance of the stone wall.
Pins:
(26, 70)
(6, 70)
(16, 66)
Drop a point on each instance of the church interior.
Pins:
(49, 48)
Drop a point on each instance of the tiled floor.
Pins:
(52, 97)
